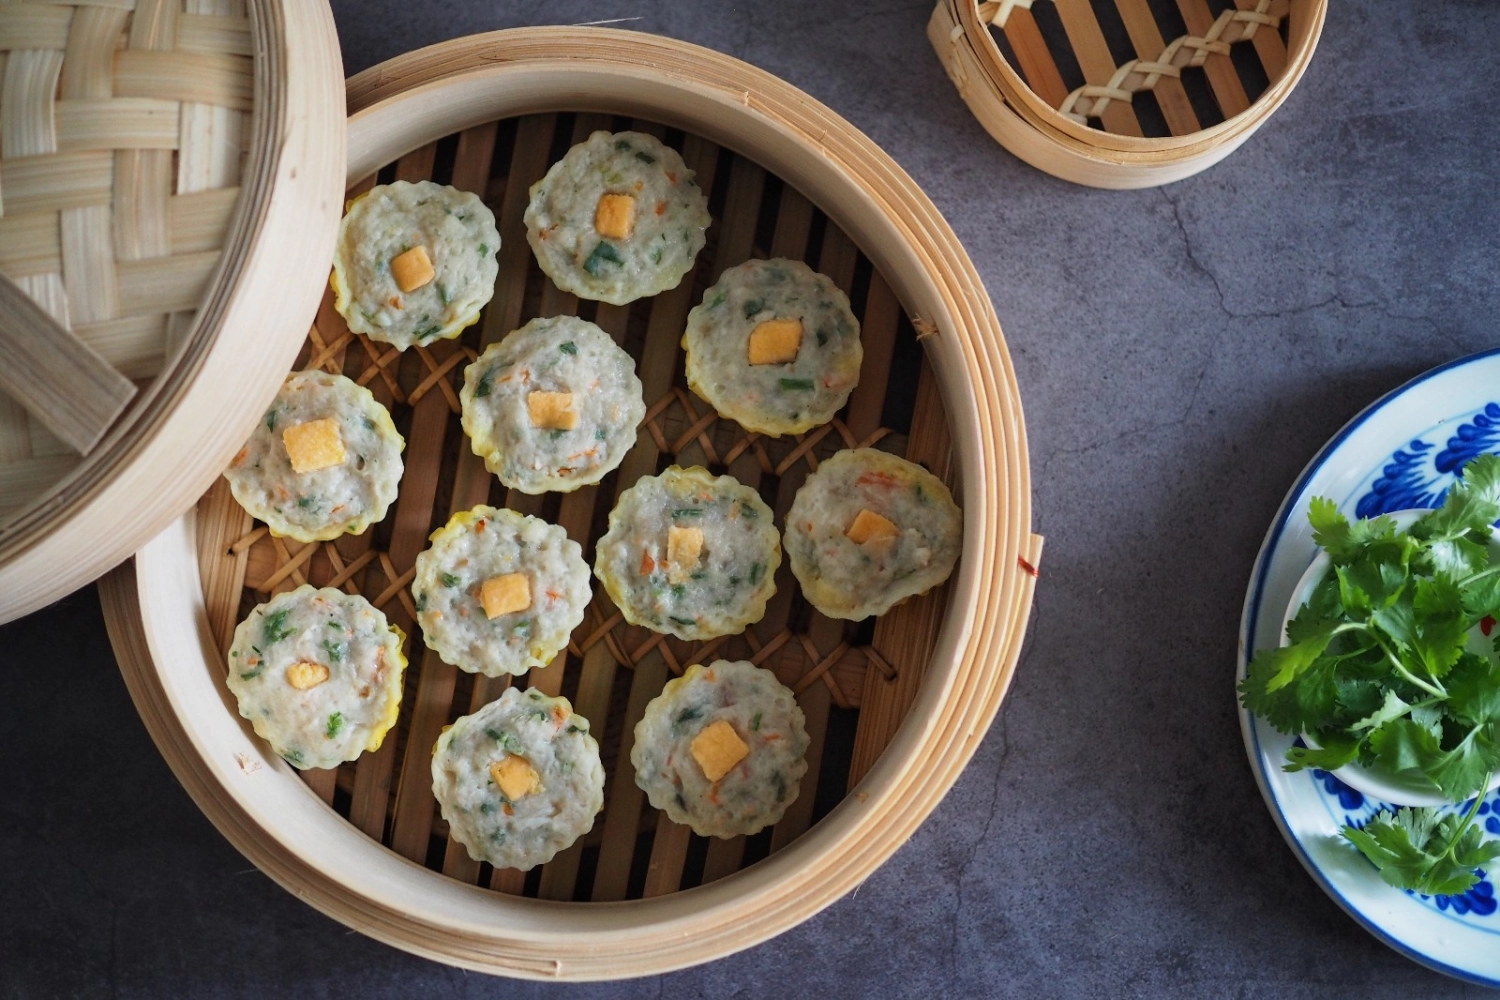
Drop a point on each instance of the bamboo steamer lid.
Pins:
(171, 177)
(1157, 98)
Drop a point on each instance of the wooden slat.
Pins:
(1094, 58)
(214, 33)
(55, 375)
(1222, 78)
(906, 634)
(1037, 68)
(88, 62)
(1269, 47)
(134, 346)
(89, 264)
(410, 520)
(1146, 37)
(411, 825)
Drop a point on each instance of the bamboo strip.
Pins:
(88, 62)
(209, 78)
(1268, 45)
(66, 180)
(211, 135)
(55, 375)
(20, 481)
(220, 521)
(1228, 90)
(116, 123)
(30, 243)
(1036, 62)
(142, 192)
(26, 102)
(154, 24)
(200, 221)
(214, 33)
(905, 635)
(1146, 37)
(658, 361)
(167, 283)
(1094, 58)
(134, 346)
(411, 824)
(34, 27)
(89, 264)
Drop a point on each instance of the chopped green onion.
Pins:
(568, 347)
(602, 254)
(797, 384)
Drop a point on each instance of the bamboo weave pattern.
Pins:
(122, 139)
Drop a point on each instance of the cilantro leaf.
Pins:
(1472, 503)
(1474, 690)
(1341, 540)
(1333, 751)
(1416, 850)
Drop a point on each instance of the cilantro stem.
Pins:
(1469, 816)
(1437, 692)
(1480, 575)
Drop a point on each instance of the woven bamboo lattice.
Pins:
(123, 130)
(855, 682)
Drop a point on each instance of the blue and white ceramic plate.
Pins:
(1403, 451)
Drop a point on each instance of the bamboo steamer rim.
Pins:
(155, 610)
(181, 432)
(1040, 134)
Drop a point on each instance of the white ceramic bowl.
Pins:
(1381, 785)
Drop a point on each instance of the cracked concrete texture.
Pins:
(1181, 352)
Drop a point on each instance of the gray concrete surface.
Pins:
(1181, 353)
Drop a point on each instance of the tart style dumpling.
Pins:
(722, 749)
(519, 780)
(868, 530)
(617, 218)
(553, 406)
(323, 462)
(690, 553)
(414, 263)
(773, 346)
(499, 592)
(318, 674)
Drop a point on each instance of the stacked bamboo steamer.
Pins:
(171, 174)
(1091, 134)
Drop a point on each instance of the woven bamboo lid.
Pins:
(171, 176)
(1124, 93)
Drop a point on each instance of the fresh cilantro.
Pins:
(1377, 669)
(1420, 850)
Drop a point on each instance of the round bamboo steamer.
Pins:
(170, 180)
(1031, 112)
(172, 610)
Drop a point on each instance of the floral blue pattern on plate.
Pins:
(1402, 451)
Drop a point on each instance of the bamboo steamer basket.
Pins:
(894, 712)
(1202, 99)
(170, 174)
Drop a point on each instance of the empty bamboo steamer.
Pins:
(894, 710)
(170, 174)
(1124, 93)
